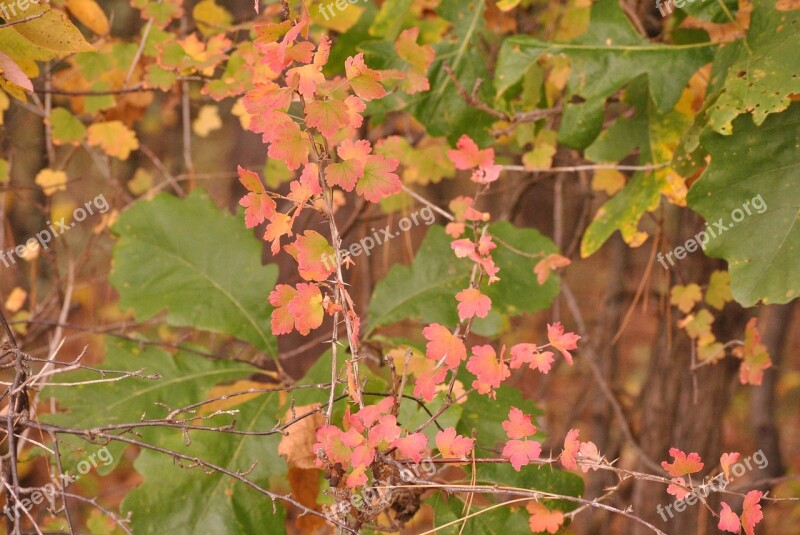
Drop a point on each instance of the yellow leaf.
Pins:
(296, 444)
(16, 299)
(114, 138)
(685, 297)
(608, 180)
(210, 17)
(51, 181)
(207, 121)
(719, 289)
(141, 182)
(52, 30)
(90, 14)
(239, 111)
(544, 148)
(507, 5)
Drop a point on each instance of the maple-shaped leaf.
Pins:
(562, 341)
(313, 254)
(327, 116)
(444, 346)
(726, 460)
(521, 452)
(550, 263)
(728, 520)
(365, 82)
(755, 358)
(463, 210)
(412, 446)
(543, 519)
(569, 457)
(280, 225)
(370, 414)
(678, 488)
(379, 180)
(267, 103)
(425, 386)
(467, 155)
(305, 79)
(290, 145)
(357, 477)
(488, 369)
(346, 173)
(683, 464)
(529, 354)
(355, 107)
(452, 445)
(590, 456)
(472, 303)
(113, 137)
(384, 433)
(258, 206)
(518, 424)
(463, 247)
(306, 307)
(719, 289)
(751, 511)
(338, 445)
(685, 297)
(486, 245)
(282, 319)
(418, 56)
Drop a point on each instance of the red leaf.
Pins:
(561, 340)
(379, 180)
(751, 511)
(728, 520)
(683, 464)
(280, 225)
(543, 519)
(289, 145)
(425, 387)
(327, 116)
(385, 433)
(518, 424)
(346, 173)
(282, 319)
(471, 303)
(364, 81)
(755, 356)
(313, 255)
(452, 445)
(569, 457)
(529, 354)
(306, 307)
(444, 346)
(490, 372)
(726, 461)
(258, 206)
(412, 446)
(521, 452)
(467, 154)
(679, 488)
(550, 263)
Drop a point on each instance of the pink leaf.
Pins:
(518, 424)
(488, 369)
(412, 446)
(529, 354)
(521, 452)
(751, 511)
(452, 445)
(569, 457)
(683, 464)
(562, 341)
(471, 303)
(444, 346)
(728, 521)
(467, 154)
(543, 519)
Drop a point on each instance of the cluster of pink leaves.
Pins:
(684, 464)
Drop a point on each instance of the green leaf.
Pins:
(197, 262)
(605, 59)
(763, 74)
(762, 249)
(535, 477)
(442, 109)
(497, 521)
(183, 379)
(67, 129)
(389, 21)
(425, 291)
(182, 500)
